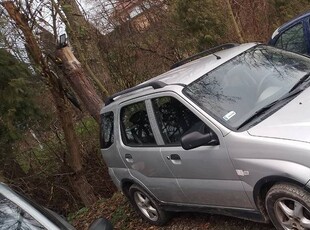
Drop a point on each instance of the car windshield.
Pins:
(234, 91)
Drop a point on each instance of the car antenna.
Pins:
(217, 57)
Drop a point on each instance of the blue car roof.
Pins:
(294, 20)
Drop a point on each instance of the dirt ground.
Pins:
(118, 210)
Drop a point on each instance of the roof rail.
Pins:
(204, 53)
(153, 84)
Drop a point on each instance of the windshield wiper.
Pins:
(299, 82)
(267, 107)
(257, 113)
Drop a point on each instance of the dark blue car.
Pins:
(293, 35)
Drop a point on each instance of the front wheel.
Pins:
(288, 207)
(146, 206)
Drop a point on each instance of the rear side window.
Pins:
(107, 130)
(136, 129)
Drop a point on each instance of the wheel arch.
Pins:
(262, 187)
(127, 183)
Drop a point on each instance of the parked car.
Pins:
(19, 212)
(293, 35)
(228, 133)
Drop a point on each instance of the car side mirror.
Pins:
(195, 139)
(101, 224)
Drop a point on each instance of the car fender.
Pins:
(258, 173)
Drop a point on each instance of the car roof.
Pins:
(189, 72)
(294, 20)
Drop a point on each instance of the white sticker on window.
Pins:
(229, 115)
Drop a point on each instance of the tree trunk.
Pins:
(75, 75)
(78, 180)
(83, 188)
(85, 39)
(65, 115)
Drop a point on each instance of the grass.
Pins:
(76, 215)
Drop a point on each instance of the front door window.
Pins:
(174, 119)
(293, 39)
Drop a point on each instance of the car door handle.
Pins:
(128, 158)
(175, 159)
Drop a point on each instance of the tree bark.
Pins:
(65, 115)
(76, 77)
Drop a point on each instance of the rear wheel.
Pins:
(146, 206)
(288, 207)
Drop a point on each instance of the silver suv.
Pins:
(227, 133)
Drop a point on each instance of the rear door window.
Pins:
(135, 126)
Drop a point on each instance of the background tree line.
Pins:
(51, 95)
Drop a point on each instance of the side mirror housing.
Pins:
(195, 139)
(101, 224)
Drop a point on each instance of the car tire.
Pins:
(146, 206)
(288, 207)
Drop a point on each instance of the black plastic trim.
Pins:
(247, 214)
(204, 53)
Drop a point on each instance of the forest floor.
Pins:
(119, 211)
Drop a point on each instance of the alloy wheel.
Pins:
(145, 205)
(291, 214)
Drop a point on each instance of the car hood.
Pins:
(291, 122)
